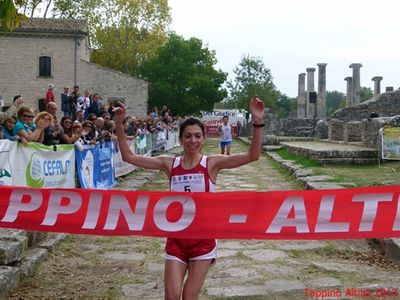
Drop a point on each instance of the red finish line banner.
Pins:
(319, 214)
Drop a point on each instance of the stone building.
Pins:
(57, 51)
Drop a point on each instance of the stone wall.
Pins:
(370, 134)
(289, 126)
(19, 65)
(298, 127)
(113, 85)
(386, 105)
(352, 131)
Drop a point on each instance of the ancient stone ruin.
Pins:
(356, 124)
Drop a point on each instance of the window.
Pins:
(45, 66)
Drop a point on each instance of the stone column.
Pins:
(349, 91)
(377, 85)
(310, 113)
(356, 83)
(301, 97)
(321, 100)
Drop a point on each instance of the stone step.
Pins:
(21, 252)
(327, 150)
(348, 160)
(276, 140)
(9, 279)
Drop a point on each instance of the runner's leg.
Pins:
(197, 274)
(173, 279)
(222, 148)
(228, 149)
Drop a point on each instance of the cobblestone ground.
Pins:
(94, 267)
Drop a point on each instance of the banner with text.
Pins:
(122, 168)
(319, 214)
(95, 166)
(37, 165)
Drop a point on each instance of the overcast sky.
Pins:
(292, 35)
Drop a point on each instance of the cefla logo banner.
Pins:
(40, 166)
(319, 214)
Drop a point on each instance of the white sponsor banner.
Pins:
(173, 140)
(122, 168)
(212, 119)
(37, 165)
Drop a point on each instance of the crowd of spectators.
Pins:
(85, 120)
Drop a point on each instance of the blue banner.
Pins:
(95, 166)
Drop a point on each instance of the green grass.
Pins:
(386, 173)
(299, 159)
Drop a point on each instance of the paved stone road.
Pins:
(132, 267)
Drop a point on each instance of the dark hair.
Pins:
(68, 131)
(91, 116)
(76, 87)
(189, 122)
(16, 97)
(374, 115)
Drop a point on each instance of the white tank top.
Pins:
(226, 133)
(193, 180)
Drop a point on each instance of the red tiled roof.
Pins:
(53, 26)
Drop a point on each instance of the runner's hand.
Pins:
(119, 113)
(257, 110)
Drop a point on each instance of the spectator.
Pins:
(52, 134)
(7, 129)
(99, 123)
(69, 135)
(13, 109)
(74, 101)
(149, 124)
(79, 116)
(132, 128)
(110, 109)
(66, 103)
(49, 94)
(44, 118)
(77, 129)
(106, 116)
(88, 135)
(26, 129)
(109, 128)
(154, 112)
(163, 111)
(95, 105)
(86, 103)
(92, 118)
(99, 127)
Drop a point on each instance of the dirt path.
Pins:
(96, 267)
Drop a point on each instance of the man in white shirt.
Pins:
(225, 131)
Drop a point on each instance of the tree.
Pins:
(252, 78)
(365, 94)
(34, 7)
(12, 13)
(89, 10)
(124, 32)
(334, 101)
(286, 107)
(182, 76)
(9, 15)
(225, 104)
